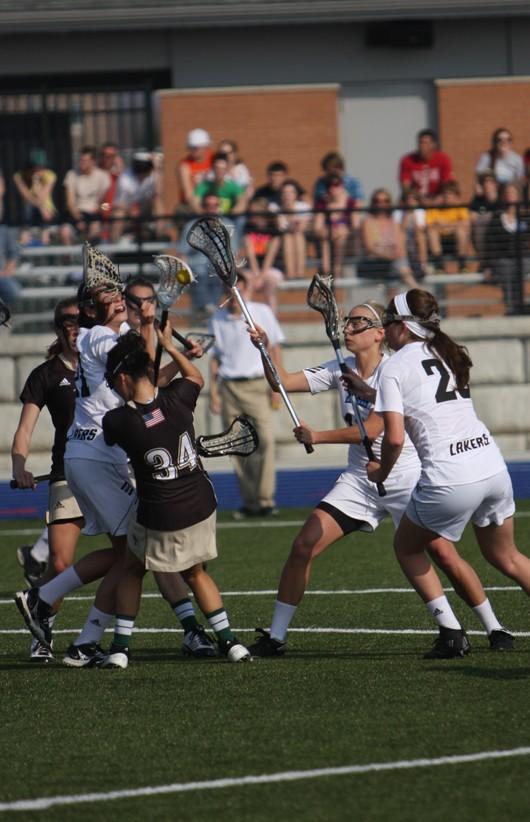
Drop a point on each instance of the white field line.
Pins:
(310, 630)
(45, 802)
(273, 591)
(264, 523)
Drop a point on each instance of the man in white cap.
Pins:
(193, 167)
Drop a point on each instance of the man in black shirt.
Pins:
(175, 526)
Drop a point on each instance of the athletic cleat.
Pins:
(500, 641)
(117, 657)
(450, 644)
(234, 651)
(32, 568)
(198, 644)
(265, 645)
(36, 614)
(39, 652)
(84, 656)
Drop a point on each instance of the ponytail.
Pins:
(455, 356)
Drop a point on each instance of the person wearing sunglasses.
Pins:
(384, 254)
(424, 392)
(501, 159)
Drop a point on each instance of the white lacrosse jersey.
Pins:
(326, 376)
(454, 446)
(94, 397)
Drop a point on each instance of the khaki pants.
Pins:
(256, 474)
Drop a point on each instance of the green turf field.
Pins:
(353, 691)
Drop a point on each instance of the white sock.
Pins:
(61, 585)
(487, 617)
(442, 612)
(41, 550)
(94, 627)
(281, 619)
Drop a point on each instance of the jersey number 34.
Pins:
(162, 462)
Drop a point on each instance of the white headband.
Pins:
(403, 310)
(374, 312)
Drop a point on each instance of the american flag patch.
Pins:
(154, 418)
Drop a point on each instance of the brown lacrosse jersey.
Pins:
(52, 384)
(174, 491)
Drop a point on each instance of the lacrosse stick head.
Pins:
(204, 340)
(5, 313)
(210, 236)
(175, 276)
(320, 296)
(240, 440)
(99, 272)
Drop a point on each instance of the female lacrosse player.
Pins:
(100, 477)
(423, 390)
(352, 505)
(174, 530)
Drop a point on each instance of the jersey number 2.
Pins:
(164, 468)
(442, 394)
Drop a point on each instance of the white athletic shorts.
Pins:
(446, 510)
(358, 498)
(62, 505)
(105, 492)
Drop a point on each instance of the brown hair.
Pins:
(423, 306)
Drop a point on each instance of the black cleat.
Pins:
(32, 568)
(500, 641)
(265, 645)
(84, 656)
(39, 653)
(450, 644)
(36, 614)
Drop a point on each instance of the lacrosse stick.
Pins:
(41, 478)
(210, 235)
(239, 440)
(99, 270)
(320, 297)
(5, 313)
(175, 275)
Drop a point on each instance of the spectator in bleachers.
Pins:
(206, 292)
(35, 184)
(272, 190)
(413, 220)
(526, 159)
(501, 159)
(332, 165)
(507, 244)
(481, 209)
(449, 228)
(231, 195)
(110, 161)
(426, 169)
(194, 166)
(136, 194)
(383, 243)
(9, 288)
(334, 222)
(261, 244)
(85, 189)
(292, 222)
(237, 170)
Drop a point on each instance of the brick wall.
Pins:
(296, 125)
(470, 112)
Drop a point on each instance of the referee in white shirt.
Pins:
(238, 387)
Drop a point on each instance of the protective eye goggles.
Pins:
(137, 302)
(358, 323)
(390, 317)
